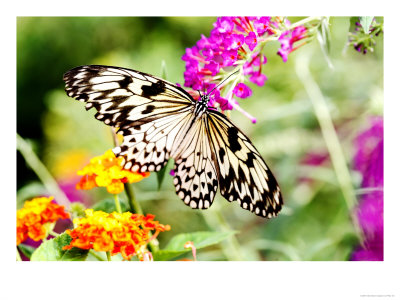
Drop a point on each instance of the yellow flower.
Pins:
(33, 219)
(105, 170)
(124, 233)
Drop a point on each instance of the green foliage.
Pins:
(200, 240)
(26, 250)
(366, 23)
(52, 250)
(108, 206)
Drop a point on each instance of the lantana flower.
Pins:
(36, 217)
(235, 43)
(124, 233)
(106, 171)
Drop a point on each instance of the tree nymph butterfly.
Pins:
(160, 120)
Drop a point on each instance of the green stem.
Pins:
(134, 205)
(117, 204)
(329, 134)
(41, 171)
(108, 253)
(94, 254)
(55, 234)
(214, 218)
(304, 21)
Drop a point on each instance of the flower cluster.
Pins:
(105, 170)
(34, 218)
(124, 233)
(368, 161)
(364, 41)
(236, 42)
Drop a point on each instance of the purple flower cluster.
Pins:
(362, 41)
(235, 42)
(368, 161)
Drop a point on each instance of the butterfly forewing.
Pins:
(243, 174)
(149, 112)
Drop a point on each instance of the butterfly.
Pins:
(160, 120)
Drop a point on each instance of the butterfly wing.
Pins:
(242, 173)
(152, 114)
(195, 172)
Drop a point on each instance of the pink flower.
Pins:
(242, 91)
(288, 38)
(251, 40)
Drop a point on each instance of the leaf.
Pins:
(160, 176)
(366, 23)
(324, 39)
(108, 206)
(200, 240)
(52, 250)
(26, 250)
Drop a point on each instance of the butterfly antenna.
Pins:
(222, 82)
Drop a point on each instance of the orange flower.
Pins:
(105, 170)
(35, 217)
(124, 233)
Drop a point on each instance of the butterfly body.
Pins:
(160, 120)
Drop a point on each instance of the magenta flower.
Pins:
(251, 40)
(368, 160)
(287, 40)
(242, 91)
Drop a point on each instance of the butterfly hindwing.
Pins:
(195, 177)
(242, 173)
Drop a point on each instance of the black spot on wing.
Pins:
(148, 109)
(153, 89)
(233, 139)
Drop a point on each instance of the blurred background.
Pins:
(315, 223)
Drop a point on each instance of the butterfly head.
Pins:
(201, 104)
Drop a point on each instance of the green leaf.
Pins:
(52, 250)
(200, 240)
(108, 206)
(26, 250)
(366, 23)
(162, 172)
(324, 39)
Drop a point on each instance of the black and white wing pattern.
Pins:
(242, 173)
(195, 171)
(152, 114)
(160, 120)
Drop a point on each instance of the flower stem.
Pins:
(304, 21)
(331, 139)
(108, 253)
(41, 171)
(117, 204)
(94, 254)
(55, 234)
(215, 219)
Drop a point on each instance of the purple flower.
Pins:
(368, 160)
(214, 58)
(262, 25)
(258, 79)
(242, 91)
(287, 40)
(251, 40)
